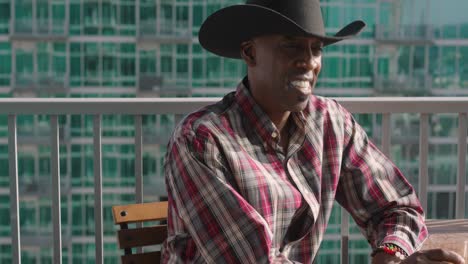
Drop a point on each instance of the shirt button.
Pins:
(274, 135)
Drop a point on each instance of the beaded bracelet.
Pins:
(393, 250)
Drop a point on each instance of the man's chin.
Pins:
(301, 105)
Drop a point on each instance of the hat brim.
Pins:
(223, 31)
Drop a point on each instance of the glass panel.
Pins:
(148, 61)
(166, 23)
(448, 67)
(4, 17)
(58, 18)
(91, 64)
(182, 22)
(43, 59)
(109, 64)
(127, 64)
(75, 64)
(91, 18)
(109, 17)
(24, 67)
(463, 66)
(127, 18)
(147, 17)
(75, 19)
(5, 63)
(42, 16)
(23, 16)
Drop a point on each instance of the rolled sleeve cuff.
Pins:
(406, 246)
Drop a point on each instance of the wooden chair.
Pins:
(140, 236)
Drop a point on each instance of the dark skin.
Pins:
(282, 72)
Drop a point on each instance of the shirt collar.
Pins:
(259, 120)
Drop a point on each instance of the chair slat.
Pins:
(142, 258)
(142, 236)
(133, 213)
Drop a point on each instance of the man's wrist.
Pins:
(381, 257)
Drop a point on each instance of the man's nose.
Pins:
(308, 61)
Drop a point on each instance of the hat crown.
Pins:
(305, 13)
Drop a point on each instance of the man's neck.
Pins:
(280, 120)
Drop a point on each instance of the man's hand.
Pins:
(431, 256)
(434, 256)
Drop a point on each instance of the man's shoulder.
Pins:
(204, 120)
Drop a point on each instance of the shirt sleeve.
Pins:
(377, 195)
(223, 225)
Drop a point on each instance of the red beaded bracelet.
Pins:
(393, 250)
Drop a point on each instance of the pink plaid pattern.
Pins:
(236, 197)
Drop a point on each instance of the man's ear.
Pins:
(247, 52)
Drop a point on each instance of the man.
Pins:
(253, 178)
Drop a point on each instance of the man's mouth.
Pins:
(303, 86)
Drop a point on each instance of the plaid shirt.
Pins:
(236, 197)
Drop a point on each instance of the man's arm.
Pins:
(382, 202)
(223, 225)
(377, 195)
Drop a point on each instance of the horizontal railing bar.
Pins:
(186, 105)
(131, 106)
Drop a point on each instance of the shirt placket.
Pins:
(291, 169)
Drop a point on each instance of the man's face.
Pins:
(285, 71)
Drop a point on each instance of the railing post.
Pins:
(423, 154)
(461, 172)
(386, 134)
(55, 171)
(139, 165)
(138, 159)
(98, 188)
(14, 195)
(344, 236)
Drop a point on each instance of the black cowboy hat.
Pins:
(223, 31)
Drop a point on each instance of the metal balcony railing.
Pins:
(179, 106)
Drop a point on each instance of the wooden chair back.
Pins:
(130, 238)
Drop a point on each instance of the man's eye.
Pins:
(292, 46)
(317, 51)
